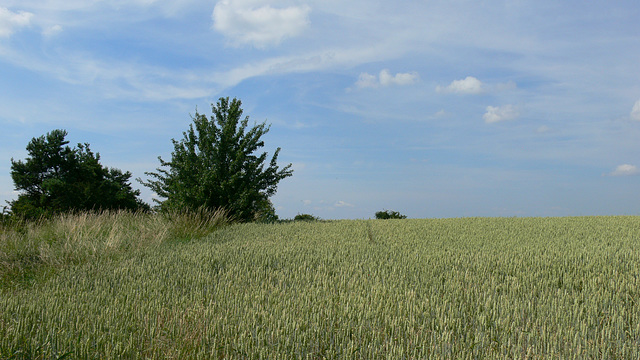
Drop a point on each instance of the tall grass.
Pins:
(31, 249)
(559, 288)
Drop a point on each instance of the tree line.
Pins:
(216, 164)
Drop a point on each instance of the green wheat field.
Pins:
(121, 285)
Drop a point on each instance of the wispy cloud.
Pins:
(500, 113)
(385, 78)
(119, 79)
(509, 85)
(341, 204)
(261, 26)
(542, 129)
(52, 31)
(10, 21)
(625, 170)
(468, 85)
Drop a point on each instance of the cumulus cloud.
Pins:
(500, 113)
(261, 25)
(468, 85)
(367, 80)
(635, 112)
(385, 78)
(9, 21)
(625, 170)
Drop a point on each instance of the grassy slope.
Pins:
(461, 288)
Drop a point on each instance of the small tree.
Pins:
(56, 178)
(215, 165)
(388, 214)
(305, 217)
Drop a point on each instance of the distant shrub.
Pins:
(388, 214)
(306, 217)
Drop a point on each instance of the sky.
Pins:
(432, 108)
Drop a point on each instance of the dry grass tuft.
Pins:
(27, 248)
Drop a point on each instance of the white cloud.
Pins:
(625, 170)
(468, 85)
(500, 113)
(9, 21)
(635, 112)
(385, 78)
(440, 114)
(399, 79)
(248, 22)
(367, 80)
(341, 204)
(52, 31)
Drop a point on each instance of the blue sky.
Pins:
(432, 108)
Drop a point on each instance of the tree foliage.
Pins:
(389, 214)
(305, 217)
(216, 164)
(56, 178)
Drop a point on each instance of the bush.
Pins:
(388, 214)
(305, 217)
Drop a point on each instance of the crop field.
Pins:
(472, 288)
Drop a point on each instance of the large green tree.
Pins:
(216, 165)
(56, 178)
